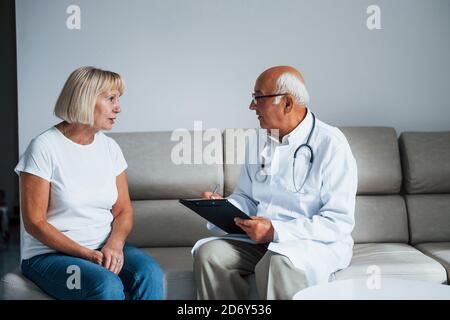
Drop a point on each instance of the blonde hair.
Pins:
(78, 97)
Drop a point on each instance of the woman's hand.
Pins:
(113, 257)
(95, 256)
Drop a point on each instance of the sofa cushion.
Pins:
(426, 161)
(380, 219)
(153, 173)
(177, 264)
(159, 223)
(14, 286)
(440, 251)
(376, 153)
(393, 260)
(429, 217)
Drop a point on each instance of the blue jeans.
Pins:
(66, 277)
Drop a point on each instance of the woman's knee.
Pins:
(149, 268)
(105, 285)
(144, 277)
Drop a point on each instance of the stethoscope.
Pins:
(306, 145)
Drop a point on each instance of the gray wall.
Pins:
(186, 60)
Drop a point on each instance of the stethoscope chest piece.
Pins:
(261, 174)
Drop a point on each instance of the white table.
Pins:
(388, 289)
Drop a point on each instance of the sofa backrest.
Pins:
(380, 213)
(156, 183)
(426, 168)
(155, 169)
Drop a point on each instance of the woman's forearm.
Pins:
(53, 238)
(121, 228)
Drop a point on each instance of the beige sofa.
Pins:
(402, 208)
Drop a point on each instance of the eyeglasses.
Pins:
(255, 98)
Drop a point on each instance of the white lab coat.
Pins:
(313, 227)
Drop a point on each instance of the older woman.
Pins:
(76, 210)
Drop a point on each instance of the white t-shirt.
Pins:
(82, 187)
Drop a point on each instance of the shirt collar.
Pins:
(298, 135)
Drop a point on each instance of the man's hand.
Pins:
(210, 195)
(259, 229)
(113, 257)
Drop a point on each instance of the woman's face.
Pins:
(106, 109)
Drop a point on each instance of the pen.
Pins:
(215, 189)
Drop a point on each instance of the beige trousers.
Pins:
(221, 267)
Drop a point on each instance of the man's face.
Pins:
(270, 115)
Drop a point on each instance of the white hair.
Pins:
(288, 83)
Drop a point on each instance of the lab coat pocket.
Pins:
(309, 199)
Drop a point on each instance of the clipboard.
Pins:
(219, 212)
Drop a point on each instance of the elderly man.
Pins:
(300, 196)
